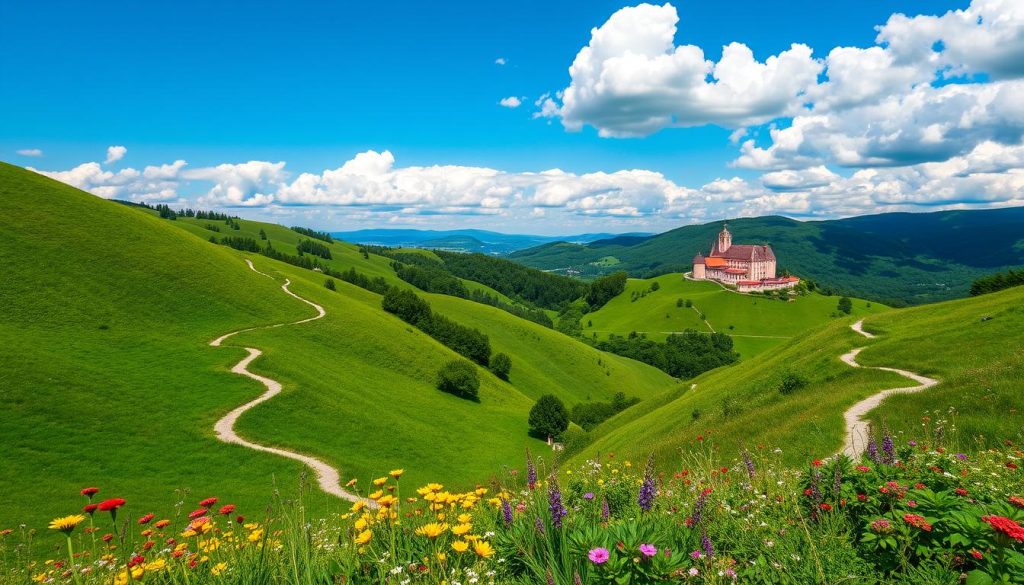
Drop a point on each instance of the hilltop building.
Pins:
(749, 268)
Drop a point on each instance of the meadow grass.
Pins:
(755, 322)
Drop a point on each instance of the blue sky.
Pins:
(314, 84)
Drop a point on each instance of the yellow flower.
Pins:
(380, 481)
(256, 535)
(137, 572)
(396, 473)
(464, 518)
(156, 565)
(483, 548)
(351, 482)
(359, 505)
(219, 568)
(376, 495)
(387, 501)
(364, 537)
(460, 546)
(67, 523)
(441, 557)
(360, 524)
(461, 529)
(432, 530)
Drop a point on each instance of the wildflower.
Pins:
(89, 492)
(358, 505)
(364, 537)
(648, 550)
(351, 482)
(66, 524)
(647, 490)
(961, 491)
(825, 506)
(218, 569)
(90, 509)
(1011, 465)
(531, 471)
(208, 502)
(396, 473)
(432, 530)
(698, 508)
(749, 463)
(107, 537)
(977, 555)
(863, 468)
(240, 520)
(461, 529)
(197, 513)
(605, 512)
(110, 505)
(483, 549)
(460, 546)
(558, 511)
(506, 511)
(816, 463)
(706, 547)
(693, 571)
(917, 521)
(538, 525)
(1005, 526)
(145, 519)
(1017, 501)
(888, 448)
(588, 496)
(873, 448)
(598, 556)
(862, 497)
(380, 481)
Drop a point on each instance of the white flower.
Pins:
(693, 572)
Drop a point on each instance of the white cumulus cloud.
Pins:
(30, 152)
(115, 153)
(510, 102)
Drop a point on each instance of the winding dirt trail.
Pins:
(327, 476)
(857, 429)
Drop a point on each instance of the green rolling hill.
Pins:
(895, 258)
(756, 323)
(109, 380)
(970, 345)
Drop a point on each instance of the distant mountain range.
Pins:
(482, 241)
(898, 258)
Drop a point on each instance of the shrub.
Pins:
(459, 377)
(845, 305)
(791, 382)
(501, 365)
(548, 417)
(655, 286)
(329, 283)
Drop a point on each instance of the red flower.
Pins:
(89, 492)
(725, 470)
(197, 513)
(90, 508)
(700, 437)
(148, 545)
(816, 463)
(108, 537)
(807, 492)
(162, 523)
(208, 502)
(862, 497)
(1006, 526)
(863, 468)
(688, 522)
(919, 486)
(227, 509)
(177, 554)
(826, 506)
(240, 519)
(145, 519)
(110, 505)
(977, 555)
(1011, 465)
(917, 522)
(1017, 501)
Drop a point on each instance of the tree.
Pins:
(263, 234)
(329, 283)
(548, 417)
(845, 305)
(605, 289)
(655, 286)
(459, 377)
(501, 365)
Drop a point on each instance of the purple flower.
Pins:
(837, 481)
(598, 556)
(873, 448)
(888, 448)
(506, 511)
(605, 512)
(538, 525)
(695, 555)
(705, 545)
(698, 509)
(816, 488)
(588, 496)
(558, 511)
(647, 489)
(749, 463)
(961, 456)
(531, 471)
(648, 550)
(576, 580)
(730, 573)
(912, 443)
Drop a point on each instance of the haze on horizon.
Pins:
(569, 119)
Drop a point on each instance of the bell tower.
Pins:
(724, 239)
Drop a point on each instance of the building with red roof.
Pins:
(748, 267)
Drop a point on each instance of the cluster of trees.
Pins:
(997, 282)
(166, 212)
(605, 289)
(529, 285)
(459, 377)
(212, 228)
(845, 305)
(682, 355)
(430, 276)
(376, 284)
(466, 341)
(590, 414)
(314, 248)
(238, 243)
(323, 236)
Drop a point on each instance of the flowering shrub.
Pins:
(905, 514)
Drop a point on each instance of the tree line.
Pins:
(997, 282)
(323, 236)
(314, 248)
(681, 355)
(412, 309)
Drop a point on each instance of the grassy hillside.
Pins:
(977, 361)
(756, 323)
(897, 258)
(108, 311)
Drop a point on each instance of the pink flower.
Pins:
(598, 556)
(648, 550)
